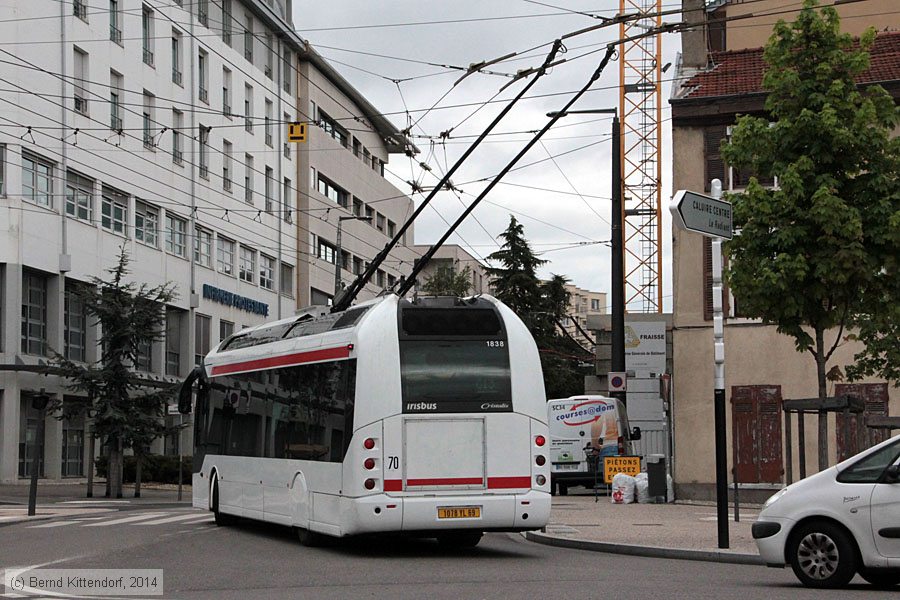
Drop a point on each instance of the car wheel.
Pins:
(881, 579)
(465, 539)
(822, 555)
(221, 518)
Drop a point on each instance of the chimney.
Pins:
(694, 40)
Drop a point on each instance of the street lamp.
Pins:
(337, 257)
(617, 356)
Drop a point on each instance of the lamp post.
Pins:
(39, 402)
(617, 275)
(337, 258)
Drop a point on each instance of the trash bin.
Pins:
(656, 477)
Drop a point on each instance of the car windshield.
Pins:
(870, 468)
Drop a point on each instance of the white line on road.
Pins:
(52, 524)
(142, 517)
(96, 502)
(190, 517)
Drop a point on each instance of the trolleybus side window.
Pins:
(301, 412)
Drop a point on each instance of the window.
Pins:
(2, 170)
(72, 455)
(595, 304)
(379, 222)
(266, 272)
(270, 184)
(203, 76)
(173, 342)
(201, 337)
(248, 39)
(114, 211)
(29, 423)
(332, 191)
(148, 121)
(176, 232)
(287, 145)
(115, 101)
(203, 12)
(146, 223)
(286, 201)
(176, 57)
(226, 21)
(226, 92)
(75, 318)
(79, 9)
(202, 246)
(143, 356)
(287, 72)
(332, 128)
(325, 251)
(225, 256)
(226, 165)
(391, 229)
(357, 207)
(379, 274)
(247, 267)
(357, 265)
(226, 330)
(115, 18)
(81, 79)
(871, 468)
(356, 147)
(391, 281)
(177, 137)
(37, 179)
(147, 34)
(370, 213)
(268, 123)
(248, 108)
(34, 313)
(203, 134)
(268, 69)
(287, 280)
(79, 196)
(248, 179)
(345, 260)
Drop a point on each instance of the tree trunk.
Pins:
(823, 392)
(138, 461)
(90, 465)
(115, 468)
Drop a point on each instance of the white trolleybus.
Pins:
(425, 417)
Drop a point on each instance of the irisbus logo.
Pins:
(584, 413)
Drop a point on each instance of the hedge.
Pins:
(155, 468)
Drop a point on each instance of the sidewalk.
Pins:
(687, 531)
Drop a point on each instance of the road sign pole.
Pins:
(719, 392)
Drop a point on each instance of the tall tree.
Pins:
(811, 249)
(516, 283)
(126, 412)
(447, 282)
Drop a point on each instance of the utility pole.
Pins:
(337, 258)
(617, 279)
(39, 402)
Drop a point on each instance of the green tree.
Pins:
(810, 251)
(126, 412)
(447, 282)
(516, 283)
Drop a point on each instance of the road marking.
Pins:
(190, 517)
(96, 502)
(52, 524)
(142, 517)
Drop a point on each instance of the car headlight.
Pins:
(775, 497)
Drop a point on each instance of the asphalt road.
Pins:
(259, 561)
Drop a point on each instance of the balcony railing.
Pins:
(79, 9)
(269, 139)
(115, 34)
(177, 156)
(226, 183)
(204, 95)
(115, 122)
(204, 171)
(148, 57)
(203, 17)
(248, 124)
(268, 71)
(226, 109)
(81, 105)
(287, 150)
(176, 77)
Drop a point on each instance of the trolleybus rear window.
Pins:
(455, 376)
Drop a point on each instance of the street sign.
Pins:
(612, 465)
(296, 132)
(172, 409)
(617, 381)
(702, 214)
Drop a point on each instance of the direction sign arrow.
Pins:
(702, 214)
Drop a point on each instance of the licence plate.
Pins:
(566, 466)
(459, 512)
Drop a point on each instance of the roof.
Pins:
(740, 72)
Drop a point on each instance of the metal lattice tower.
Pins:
(641, 144)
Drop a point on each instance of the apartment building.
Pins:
(456, 259)
(156, 126)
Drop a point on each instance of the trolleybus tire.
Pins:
(460, 539)
(221, 518)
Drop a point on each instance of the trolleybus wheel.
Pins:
(221, 518)
(461, 539)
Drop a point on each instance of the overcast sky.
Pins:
(573, 206)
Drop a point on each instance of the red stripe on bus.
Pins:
(283, 361)
(508, 482)
(396, 485)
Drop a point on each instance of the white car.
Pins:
(837, 523)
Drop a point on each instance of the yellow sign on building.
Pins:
(296, 132)
(630, 465)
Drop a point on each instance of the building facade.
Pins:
(719, 77)
(454, 258)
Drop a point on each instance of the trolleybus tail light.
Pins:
(540, 440)
(540, 480)
(370, 484)
(369, 464)
(369, 443)
(540, 460)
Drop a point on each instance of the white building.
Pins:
(151, 125)
(455, 259)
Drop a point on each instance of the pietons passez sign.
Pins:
(612, 465)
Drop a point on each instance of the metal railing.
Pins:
(204, 95)
(148, 57)
(176, 77)
(115, 34)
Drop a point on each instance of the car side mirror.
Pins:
(892, 474)
(635, 434)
